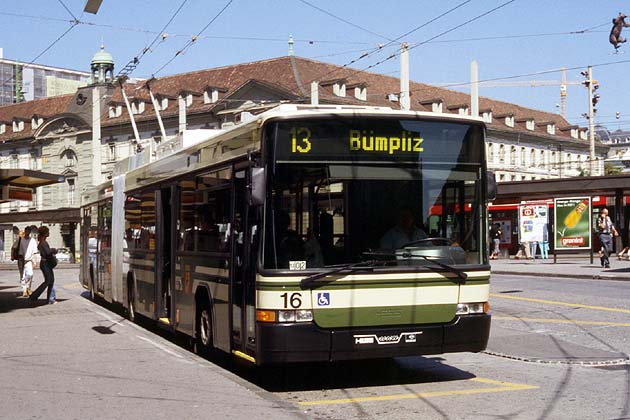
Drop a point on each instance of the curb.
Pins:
(615, 277)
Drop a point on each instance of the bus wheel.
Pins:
(204, 330)
(131, 305)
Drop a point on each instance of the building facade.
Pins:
(84, 135)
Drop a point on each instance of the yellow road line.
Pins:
(561, 321)
(503, 387)
(553, 302)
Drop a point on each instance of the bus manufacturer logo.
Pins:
(406, 337)
(323, 299)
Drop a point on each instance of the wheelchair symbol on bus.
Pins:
(323, 299)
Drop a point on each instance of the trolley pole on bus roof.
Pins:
(405, 100)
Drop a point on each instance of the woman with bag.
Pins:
(47, 263)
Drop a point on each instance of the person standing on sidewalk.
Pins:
(495, 236)
(17, 254)
(47, 263)
(29, 262)
(606, 231)
(544, 244)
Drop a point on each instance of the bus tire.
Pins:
(203, 342)
(131, 300)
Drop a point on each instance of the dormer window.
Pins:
(509, 120)
(210, 96)
(339, 89)
(3, 128)
(461, 109)
(551, 129)
(137, 107)
(530, 125)
(189, 99)
(115, 111)
(360, 93)
(163, 103)
(583, 134)
(486, 114)
(392, 97)
(18, 125)
(435, 104)
(36, 121)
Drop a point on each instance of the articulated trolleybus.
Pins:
(312, 233)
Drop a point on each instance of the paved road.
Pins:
(557, 351)
(77, 360)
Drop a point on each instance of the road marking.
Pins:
(553, 302)
(562, 321)
(502, 387)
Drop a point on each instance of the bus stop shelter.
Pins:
(612, 191)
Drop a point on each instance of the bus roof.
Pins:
(234, 142)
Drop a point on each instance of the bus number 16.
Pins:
(295, 300)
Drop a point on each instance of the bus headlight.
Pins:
(286, 316)
(305, 315)
(472, 308)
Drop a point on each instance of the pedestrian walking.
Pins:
(47, 263)
(17, 250)
(29, 262)
(495, 235)
(606, 231)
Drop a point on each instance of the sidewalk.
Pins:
(566, 266)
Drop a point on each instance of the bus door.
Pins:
(165, 214)
(242, 276)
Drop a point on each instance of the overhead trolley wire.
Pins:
(381, 47)
(344, 20)
(194, 38)
(68, 10)
(52, 44)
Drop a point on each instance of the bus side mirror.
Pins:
(492, 186)
(257, 187)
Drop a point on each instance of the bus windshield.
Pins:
(343, 191)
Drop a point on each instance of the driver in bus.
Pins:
(404, 232)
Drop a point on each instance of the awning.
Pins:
(18, 184)
(28, 178)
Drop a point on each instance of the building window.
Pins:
(14, 162)
(529, 124)
(33, 161)
(490, 152)
(18, 125)
(551, 129)
(163, 104)
(69, 158)
(523, 156)
(115, 111)
(532, 157)
(137, 107)
(71, 191)
(513, 155)
(501, 154)
(339, 89)
(487, 116)
(3, 128)
(189, 100)
(111, 151)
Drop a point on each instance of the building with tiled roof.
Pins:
(56, 134)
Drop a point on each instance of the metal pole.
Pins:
(591, 122)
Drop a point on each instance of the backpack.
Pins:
(15, 250)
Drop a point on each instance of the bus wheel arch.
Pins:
(204, 331)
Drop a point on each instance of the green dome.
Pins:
(102, 57)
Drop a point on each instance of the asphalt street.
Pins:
(559, 349)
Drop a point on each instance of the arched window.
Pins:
(69, 158)
(501, 154)
(513, 155)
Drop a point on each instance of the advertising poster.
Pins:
(506, 231)
(532, 221)
(572, 223)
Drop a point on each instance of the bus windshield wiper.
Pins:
(408, 255)
(308, 282)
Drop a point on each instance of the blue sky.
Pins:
(251, 30)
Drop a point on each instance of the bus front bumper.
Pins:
(297, 342)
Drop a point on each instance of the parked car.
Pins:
(63, 255)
